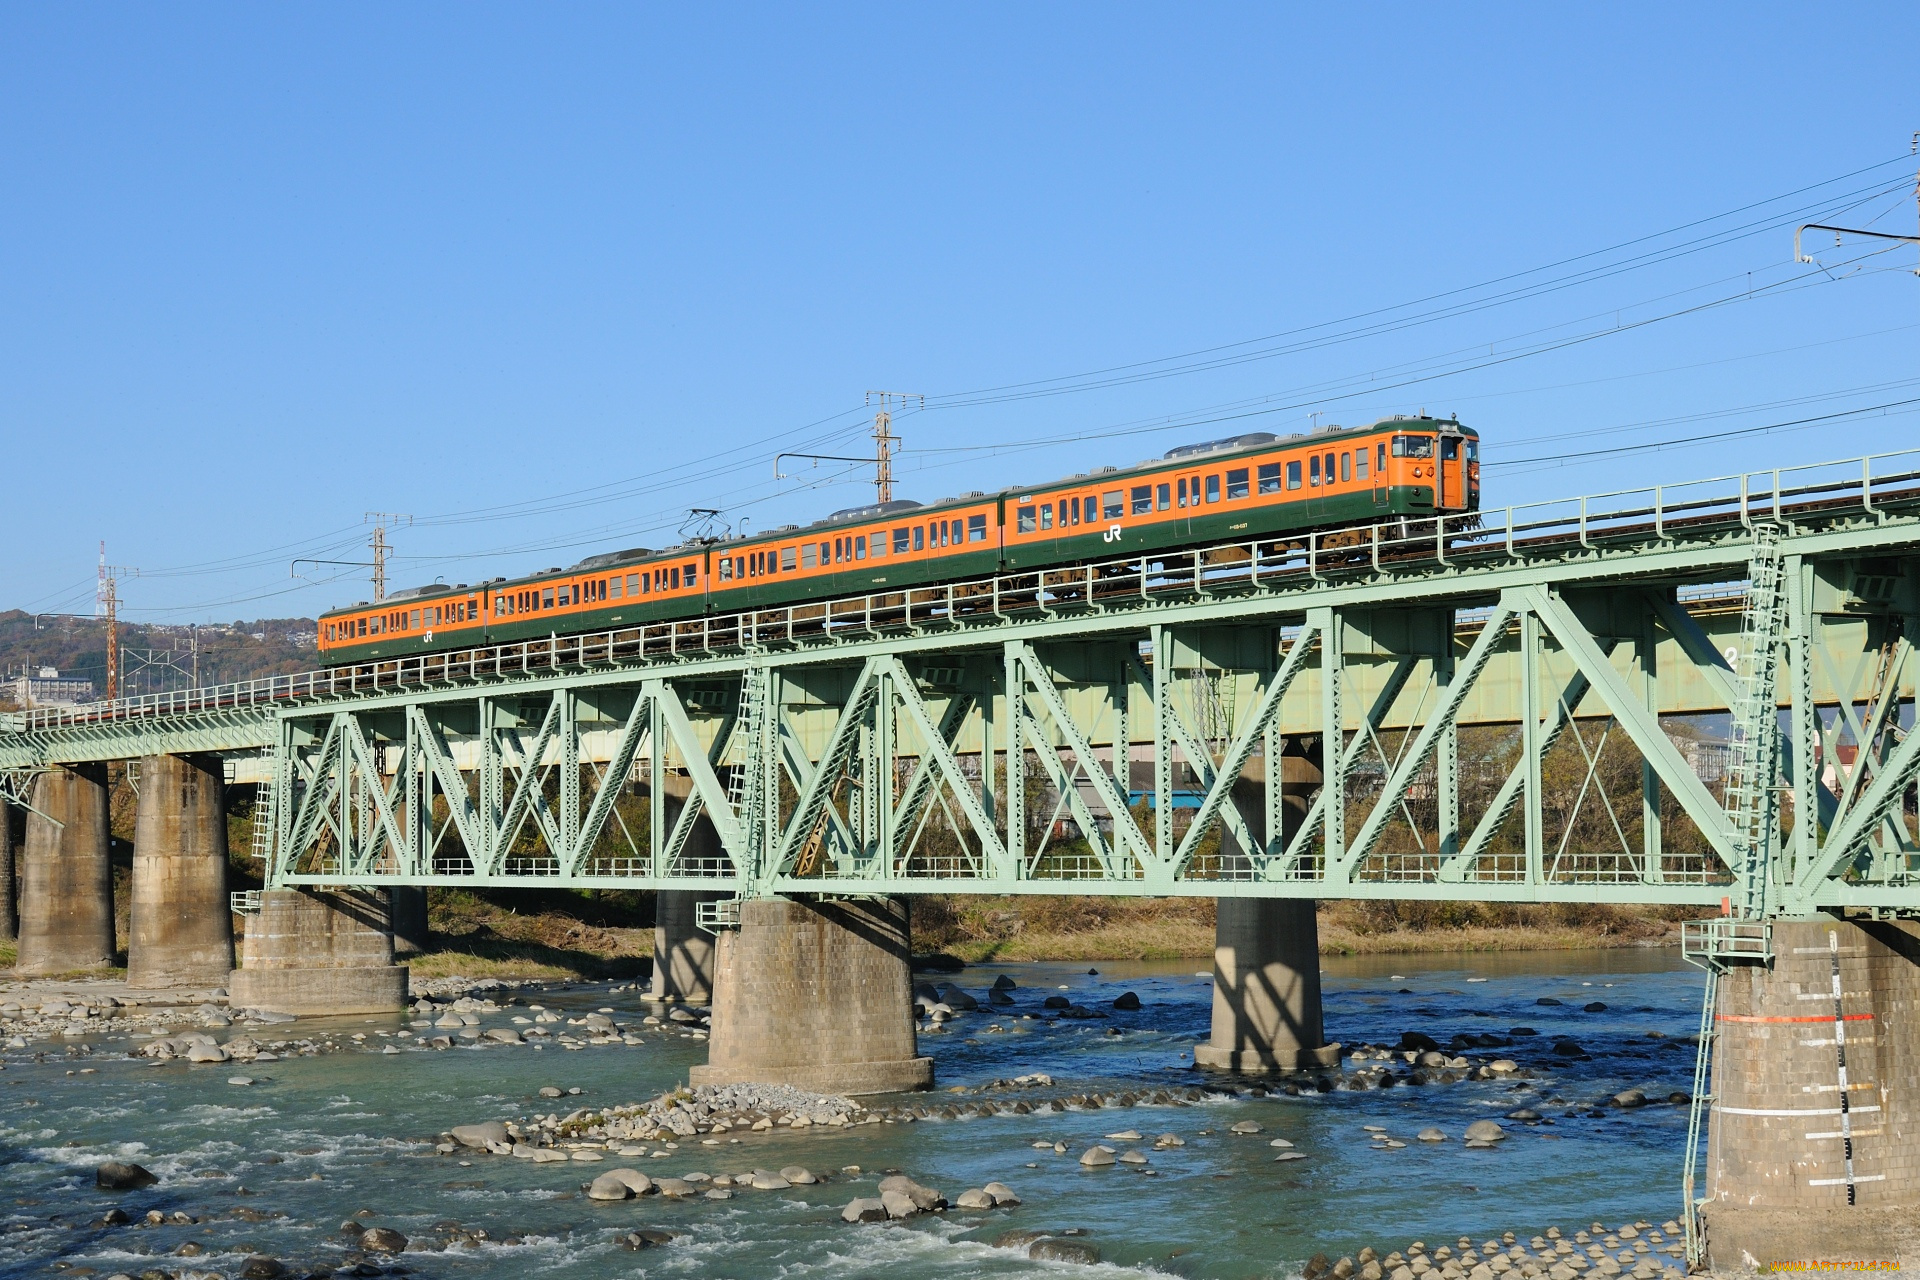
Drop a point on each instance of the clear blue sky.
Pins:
(546, 276)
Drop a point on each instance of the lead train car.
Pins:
(1246, 487)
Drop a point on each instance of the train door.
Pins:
(1448, 484)
(1379, 473)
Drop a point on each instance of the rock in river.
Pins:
(1485, 1131)
(1053, 1249)
(115, 1176)
(383, 1240)
(608, 1187)
(480, 1135)
(1097, 1157)
(1126, 1000)
(864, 1209)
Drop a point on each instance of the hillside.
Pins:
(77, 647)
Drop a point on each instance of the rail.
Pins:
(1875, 485)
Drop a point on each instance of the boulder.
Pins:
(480, 1135)
(1246, 1126)
(1418, 1040)
(1126, 1000)
(505, 1035)
(898, 1204)
(207, 1053)
(1431, 1134)
(1056, 1002)
(673, 1188)
(1003, 983)
(1097, 1157)
(999, 998)
(797, 1176)
(636, 1181)
(924, 1198)
(974, 1199)
(1054, 1249)
(115, 1176)
(608, 1187)
(382, 1240)
(1595, 1006)
(864, 1209)
(1002, 1194)
(260, 1267)
(1485, 1131)
(1630, 1098)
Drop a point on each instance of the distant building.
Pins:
(48, 688)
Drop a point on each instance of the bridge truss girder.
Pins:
(1069, 762)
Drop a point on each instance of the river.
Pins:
(277, 1166)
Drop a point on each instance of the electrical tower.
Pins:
(107, 605)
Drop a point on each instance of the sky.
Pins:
(545, 278)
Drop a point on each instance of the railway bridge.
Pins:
(1699, 694)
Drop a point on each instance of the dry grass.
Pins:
(1048, 928)
(559, 936)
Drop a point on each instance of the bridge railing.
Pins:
(1876, 485)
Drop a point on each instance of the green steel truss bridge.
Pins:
(1699, 693)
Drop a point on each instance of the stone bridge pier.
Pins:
(66, 889)
(817, 995)
(320, 952)
(180, 932)
(1813, 1140)
(1266, 951)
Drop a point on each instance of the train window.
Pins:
(379, 624)
(1213, 488)
(1329, 468)
(1313, 472)
(1360, 463)
(1269, 477)
(860, 547)
(414, 624)
(1025, 520)
(612, 585)
(1413, 446)
(877, 543)
(1449, 448)
(1293, 474)
(1163, 497)
(693, 574)
(919, 537)
(1183, 491)
(809, 556)
(787, 559)
(1237, 483)
(902, 541)
(673, 578)
(362, 626)
(1046, 516)
(937, 536)
(1143, 499)
(1112, 505)
(1069, 512)
(726, 571)
(976, 528)
(1473, 451)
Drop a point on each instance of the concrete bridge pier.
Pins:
(1792, 1173)
(66, 891)
(409, 903)
(818, 995)
(9, 899)
(683, 953)
(320, 952)
(181, 928)
(1266, 951)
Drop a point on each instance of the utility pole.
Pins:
(381, 520)
(107, 605)
(883, 437)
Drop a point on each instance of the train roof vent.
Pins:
(411, 592)
(785, 528)
(1331, 426)
(606, 558)
(872, 509)
(1214, 446)
(973, 493)
(1103, 471)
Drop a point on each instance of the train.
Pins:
(1238, 489)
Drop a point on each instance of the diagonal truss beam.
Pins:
(1218, 798)
(908, 696)
(1033, 675)
(1640, 724)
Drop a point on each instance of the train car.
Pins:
(1232, 490)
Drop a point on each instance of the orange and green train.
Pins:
(1238, 489)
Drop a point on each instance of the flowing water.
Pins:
(277, 1167)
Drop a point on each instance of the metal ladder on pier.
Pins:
(263, 820)
(1753, 751)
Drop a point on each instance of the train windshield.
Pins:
(1413, 446)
